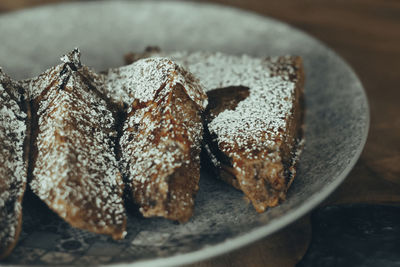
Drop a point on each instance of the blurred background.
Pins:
(366, 33)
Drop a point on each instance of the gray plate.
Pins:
(337, 121)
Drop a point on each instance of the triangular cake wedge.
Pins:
(253, 124)
(14, 152)
(162, 135)
(75, 171)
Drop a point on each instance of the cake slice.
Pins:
(74, 168)
(253, 124)
(14, 146)
(161, 141)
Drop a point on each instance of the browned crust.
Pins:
(295, 125)
(264, 182)
(24, 106)
(169, 193)
(78, 219)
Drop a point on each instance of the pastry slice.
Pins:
(14, 146)
(253, 124)
(162, 135)
(75, 171)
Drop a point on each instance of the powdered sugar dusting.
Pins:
(142, 79)
(162, 133)
(261, 118)
(76, 172)
(72, 58)
(165, 154)
(218, 70)
(13, 168)
(253, 132)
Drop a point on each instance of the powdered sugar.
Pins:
(252, 132)
(261, 118)
(76, 172)
(142, 79)
(161, 135)
(218, 70)
(13, 166)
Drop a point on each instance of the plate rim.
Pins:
(260, 232)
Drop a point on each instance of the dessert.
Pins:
(253, 124)
(14, 134)
(63, 131)
(161, 139)
(74, 169)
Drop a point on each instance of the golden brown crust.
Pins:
(14, 137)
(264, 181)
(74, 167)
(255, 147)
(162, 134)
(170, 191)
(293, 141)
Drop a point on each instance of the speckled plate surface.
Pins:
(337, 120)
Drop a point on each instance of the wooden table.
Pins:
(366, 33)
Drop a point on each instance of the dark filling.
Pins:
(219, 100)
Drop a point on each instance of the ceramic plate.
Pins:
(337, 120)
